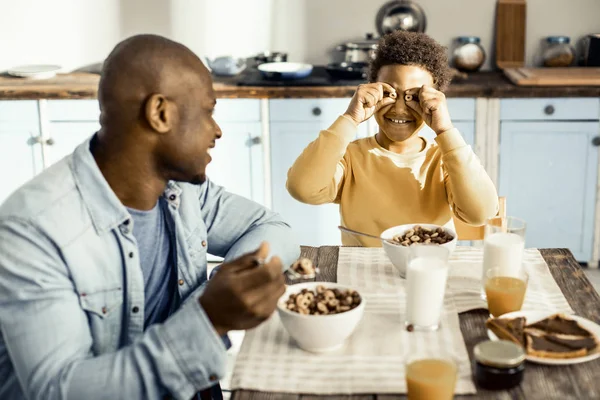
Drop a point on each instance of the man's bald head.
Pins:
(156, 103)
(143, 65)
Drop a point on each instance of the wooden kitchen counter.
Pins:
(85, 85)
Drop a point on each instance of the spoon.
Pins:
(353, 232)
(291, 272)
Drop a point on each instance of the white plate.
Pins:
(535, 316)
(284, 67)
(34, 71)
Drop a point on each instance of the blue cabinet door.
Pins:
(462, 112)
(313, 225)
(547, 171)
(466, 129)
(237, 161)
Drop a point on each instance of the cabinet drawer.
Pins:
(89, 110)
(307, 110)
(73, 110)
(19, 111)
(550, 109)
(237, 110)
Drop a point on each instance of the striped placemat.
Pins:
(373, 358)
(372, 361)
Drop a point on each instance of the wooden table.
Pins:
(541, 382)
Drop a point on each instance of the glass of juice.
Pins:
(505, 292)
(503, 246)
(431, 377)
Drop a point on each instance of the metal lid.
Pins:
(367, 44)
(359, 45)
(404, 15)
(558, 39)
(499, 354)
(468, 39)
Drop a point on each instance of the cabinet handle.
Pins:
(256, 140)
(316, 111)
(34, 140)
(596, 141)
(549, 109)
(39, 140)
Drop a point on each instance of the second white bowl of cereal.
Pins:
(397, 240)
(320, 316)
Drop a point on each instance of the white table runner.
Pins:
(370, 268)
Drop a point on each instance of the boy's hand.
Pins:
(368, 99)
(431, 105)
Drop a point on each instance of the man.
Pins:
(103, 289)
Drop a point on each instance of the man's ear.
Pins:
(160, 113)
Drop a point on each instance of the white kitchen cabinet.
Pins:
(64, 137)
(237, 161)
(73, 110)
(313, 225)
(294, 123)
(237, 158)
(20, 151)
(548, 171)
(20, 156)
(70, 122)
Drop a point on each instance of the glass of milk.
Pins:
(426, 276)
(503, 246)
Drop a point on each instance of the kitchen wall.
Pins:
(74, 33)
(65, 32)
(335, 21)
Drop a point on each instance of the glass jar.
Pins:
(499, 365)
(558, 52)
(468, 55)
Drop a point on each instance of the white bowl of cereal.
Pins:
(320, 316)
(397, 240)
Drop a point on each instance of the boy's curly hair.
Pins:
(411, 48)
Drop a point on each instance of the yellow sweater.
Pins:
(377, 189)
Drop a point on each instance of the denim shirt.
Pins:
(72, 291)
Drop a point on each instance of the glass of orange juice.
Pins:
(505, 292)
(431, 377)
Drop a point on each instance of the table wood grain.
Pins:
(580, 381)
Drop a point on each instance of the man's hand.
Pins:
(244, 292)
(368, 99)
(431, 105)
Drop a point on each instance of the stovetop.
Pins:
(318, 77)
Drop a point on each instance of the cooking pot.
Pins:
(344, 70)
(359, 51)
(269, 57)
